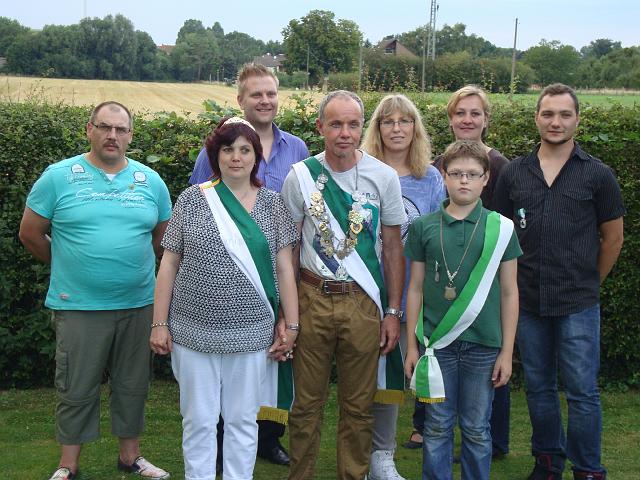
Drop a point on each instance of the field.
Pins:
(186, 98)
(183, 98)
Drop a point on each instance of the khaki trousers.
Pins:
(347, 327)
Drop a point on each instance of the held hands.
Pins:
(389, 333)
(283, 343)
(160, 340)
(502, 370)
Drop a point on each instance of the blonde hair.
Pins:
(420, 148)
(469, 91)
(253, 70)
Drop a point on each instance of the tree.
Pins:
(274, 47)
(328, 46)
(10, 30)
(190, 26)
(552, 62)
(599, 48)
(239, 48)
(196, 57)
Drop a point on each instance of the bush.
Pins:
(34, 135)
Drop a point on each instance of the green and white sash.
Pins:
(248, 248)
(362, 265)
(427, 379)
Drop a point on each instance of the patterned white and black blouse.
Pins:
(214, 308)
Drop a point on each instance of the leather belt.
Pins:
(328, 287)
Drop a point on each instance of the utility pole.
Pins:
(307, 80)
(424, 55)
(431, 41)
(513, 63)
(360, 69)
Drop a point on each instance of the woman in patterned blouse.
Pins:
(226, 266)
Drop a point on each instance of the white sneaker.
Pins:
(382, 466)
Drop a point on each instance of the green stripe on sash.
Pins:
(339, 202)
(255, 240)
(457, 308)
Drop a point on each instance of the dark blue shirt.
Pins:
(558, 229)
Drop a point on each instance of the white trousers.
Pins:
(212, 384)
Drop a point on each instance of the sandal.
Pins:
(413, 442)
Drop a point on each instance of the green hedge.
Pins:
(33, 135)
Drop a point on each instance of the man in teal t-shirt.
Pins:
(98, 218)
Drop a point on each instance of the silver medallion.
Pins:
(322, 178)
(341, 273)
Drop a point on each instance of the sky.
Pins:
(571, 22)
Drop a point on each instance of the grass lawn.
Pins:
(29, 451)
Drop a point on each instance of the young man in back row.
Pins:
(568, 210)
(258, 99)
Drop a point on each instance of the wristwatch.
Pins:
(394, 311)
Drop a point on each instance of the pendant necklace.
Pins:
(328, 244)
(450, 289)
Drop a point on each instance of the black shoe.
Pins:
(411, 443)
(589, 475)
(545, 469)
(275, 454)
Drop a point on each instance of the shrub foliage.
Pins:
(34, 135)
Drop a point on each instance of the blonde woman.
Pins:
(397, 137)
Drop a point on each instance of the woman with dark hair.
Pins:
(226, 269)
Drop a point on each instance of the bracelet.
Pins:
(394, 311)
(293, 326)
(164, 324)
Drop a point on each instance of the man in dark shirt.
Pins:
(568, 211)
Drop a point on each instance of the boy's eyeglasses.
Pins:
(471, 176)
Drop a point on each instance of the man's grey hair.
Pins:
(114, 106)
(339, 94)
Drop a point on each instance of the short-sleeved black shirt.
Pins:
(558, 272)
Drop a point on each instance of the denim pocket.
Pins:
(61, 380)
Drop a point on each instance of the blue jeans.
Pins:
(466, 369)
(569, 344)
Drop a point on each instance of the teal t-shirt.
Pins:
(101, 252)
(423, 245)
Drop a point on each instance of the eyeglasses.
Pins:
(106, 129)
(402, 123)
(471, 176)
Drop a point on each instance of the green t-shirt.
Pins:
(423, 245)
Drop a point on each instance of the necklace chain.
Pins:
(356, 217)
(450, 275)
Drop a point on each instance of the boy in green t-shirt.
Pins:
(463, 268)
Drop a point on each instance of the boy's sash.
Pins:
(362, 265)
(248, 248)
(427, 378)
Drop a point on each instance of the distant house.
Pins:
(272, 62)
(391, 46)
(166, 48)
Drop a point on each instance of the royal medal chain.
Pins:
(328, 243)
(450, 289)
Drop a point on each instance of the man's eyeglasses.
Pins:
(471, 176)
(106, 129)
(402, 123)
